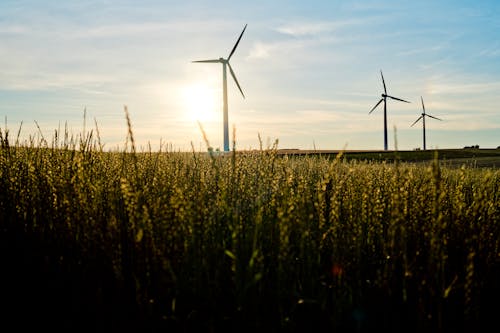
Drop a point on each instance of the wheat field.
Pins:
(169, 241)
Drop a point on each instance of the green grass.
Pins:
(252, 241)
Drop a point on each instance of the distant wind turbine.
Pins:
(423, 118)
(384, 99)
(225, 62)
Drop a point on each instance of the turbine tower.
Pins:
(225, 63)
(384, 99)
(423, 118)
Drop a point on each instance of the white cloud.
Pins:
(464, 88)
(260, 50)
(14, 29)
(302, 29)
(117, 30)
(305, 29)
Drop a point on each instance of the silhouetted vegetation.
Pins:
(181, 242)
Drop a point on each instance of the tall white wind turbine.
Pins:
(384, 99)
(225, 63)
(423, 118)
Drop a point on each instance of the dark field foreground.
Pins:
(173, 242)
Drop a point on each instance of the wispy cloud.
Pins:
(282, 49)
(464, 88)
(117, 30)
(304, 29)
(421, 50)
(14, 29)
(260, 50)
(492, 51)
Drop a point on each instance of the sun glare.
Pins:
(200, 102)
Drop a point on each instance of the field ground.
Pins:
(272, 241)
(448, 157)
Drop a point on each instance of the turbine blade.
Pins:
(211, 61)
(235, 80)
(423, 106)
(381, 100)
(383, 81)
(416, 121)
(237, 42)
(428, 115)
(398, 99)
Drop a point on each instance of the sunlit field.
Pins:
(143, 241)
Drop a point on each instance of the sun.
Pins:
(200, 102)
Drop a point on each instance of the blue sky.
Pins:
(310, 71)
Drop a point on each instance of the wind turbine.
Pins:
(225, 62)
(384, 99)
(423, 118)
